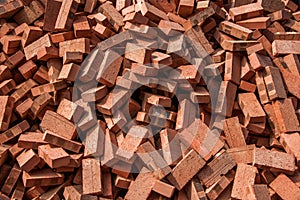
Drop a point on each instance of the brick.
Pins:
(233, 133)
(245, 175)
(75, 192)
(28, 160)
(31, 34)
(28, 69)
(185, 8)
(23, 89)
(152, 12)
(30, 13)
(60, 141)
(245, 11)
(7, 104)
(243, 154)
(285, 188)
(3, 154)
(19, 191)
(277, 161)
(164, 189)
(227, 91)
(14, 131)
(47, 88)
(142, 186)
(69, 109)
(76, 45)
(186, 169)
(32, 49)
(132, 140)
(284, 47)
(153, 160)
(232, 68)
(58, 124)
(9, 8)
(215, 190)
(52, 10)
(290, 143)
(235, 30)
(122, 182)
(31, 140)
(91, 173)
(7, 86)
(113, 16)
(256, 23)
(81, 27)
(221, 164)
(285, 115)
(44, 177)
(55, 157)
(11, 180)
(65, 16)
(251, 108)
(274, 83)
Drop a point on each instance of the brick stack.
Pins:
(52, 147)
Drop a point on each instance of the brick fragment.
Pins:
(285, 188)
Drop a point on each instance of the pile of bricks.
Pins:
(108, 99)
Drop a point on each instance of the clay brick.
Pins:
(163, 189)
(55, 157)
(233, 133)
(186, 169)
(10, 44)
(60, 141)
(9, 8)
(285, 115)
(7, 104)
(256, 23)
(28, 69)
(142, 186)
(31, 140)
(3, 154)
(76, 45)
(113, 16)
(19, 191)
(246, 86)
(12, 61)
(31, 34)
(75, 192)
(285, 188)
(153, 160)
(290, 143)
(232, 68)
(221, 164)
(152, 12)
(102, 31)
(30, 13)
(235, 30)
(277, 161)
(131, 142)
(251, 108)
(122, 182)
(69, 109)
(58, 124)
(52, 10)
(11, 180)
(32, 49)
(61, 37)
(186, 114)
(66, 15)
(47, 88)
(14, 131)
(243, 154)
(14, 151)
(81, 27)
(285, 47)
(201, 16)
(274, 83)
(245, 175)
(245, 11)
(44, 177)
(4, 73)
(28, 160)
(7, 86)
(227, 91)
(23, 89)
(185, 8)
(91, 173)
(215, 190)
